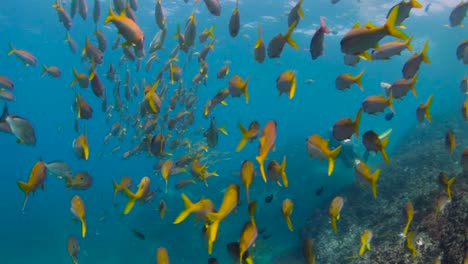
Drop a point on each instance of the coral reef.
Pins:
(412, 176)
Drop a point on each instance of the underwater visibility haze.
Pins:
(276, 131)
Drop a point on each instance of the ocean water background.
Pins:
(40, 233)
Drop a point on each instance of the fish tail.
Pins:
(357, 122)
(323, 25)
(110, 16)
(284, 176)
(245, 91)
(390, 25)
(288, 38)
(405, 231)
(83, 227)
(244, 138)
(415, 4)
(362, 249)
(45, 70)
(176, 35)
(223, 130)
(424, 53)
(261, 161)
(210, 31)
(131, 200)
(68, 182)
(358, 81)
(384, 153)
(259, 40)
(427, 108)
(331, 159)
(390, 102)
(116, 189)
(413, 87)
(214, 217)
(189, 208)
(292, 91)
(289, 222)
(375, 178)
(75, 79)
(300, 11)
(75, 260)
(449, 187)
(335, 228)
(12, 49)
(408, 43)
(26, 188)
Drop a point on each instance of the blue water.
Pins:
(39, 234)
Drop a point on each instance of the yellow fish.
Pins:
(143, 190)
(247, 174)
(409, 214)
(203, 206)
(37, 179)
(248, 235)
(334, 211)
(267, 142)
(363, 170)
(125, 182)
(161, 256)
(230, 201)
(447, 183)
(318, 147)
(366, 237)
(287, 209)
(78, 209)
(166, 170)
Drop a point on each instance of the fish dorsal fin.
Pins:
(369, 25)
(356, 25)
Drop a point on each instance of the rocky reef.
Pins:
(412, 175)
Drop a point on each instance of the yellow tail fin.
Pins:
(245, 91)
(83, 227)
(357, 122)
(390, 102)
(416, 4)
(223, 130)
(284, 176)
(335, 228)
(261, 161)
(45, 70)
(26, 188)
(331, 159)
(131, 201)
(210, 31)
(375, 178)
(110, 16)
(390, 25)
(362, 249)
(424, 53)
(292, 91)
(186, 212)
(408, 43)
(290, 225)
(413, 87)
(427, 108)
(358, 81)
(384, 153)
(244, 138)
(288, 38)
(12, 50)
(449, 187)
